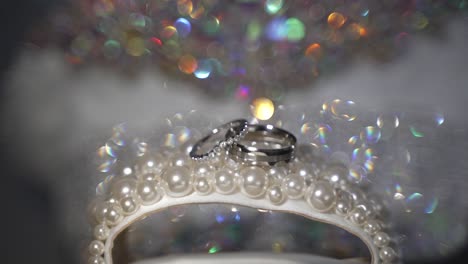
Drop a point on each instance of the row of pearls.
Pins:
(324, 188)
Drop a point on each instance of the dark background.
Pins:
(29, 217)
(31, 229)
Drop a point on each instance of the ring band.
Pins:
(230, 133)
(284, 151)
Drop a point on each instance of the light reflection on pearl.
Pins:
(344, 203)
(96, 260)
(122, 187)
(253, 181)
(336, 174)
(372, 226)
(387, 254)
(96, 248)
(321, 196)
(381, 239)
(101, 232)
(203, 185)
(277, 173)
(109, 213)
(293, 186)
(305, 170)
(203, 170)
(148, 192)
(275, 195)
(154, 164)
(224, 181)
(181, 160)
(358, 216)
(177, 181)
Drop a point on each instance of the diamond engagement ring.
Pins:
(220, 138)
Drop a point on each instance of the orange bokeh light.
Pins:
(314, 50)
(187, 64)
(336, 20)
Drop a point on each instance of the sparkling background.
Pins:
(243, 48)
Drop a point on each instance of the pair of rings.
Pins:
(247, 142)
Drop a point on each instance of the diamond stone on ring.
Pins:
(220, 138)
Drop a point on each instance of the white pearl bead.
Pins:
(203, 185)
(372, 226)
(358, 216)
(101, 232)
(203, 170)
(123, 187)
(344, 203)
(225, 181)
(335, 174)
(96, 248)
(148, 177)
(129, 205)
(387, 254)
(181, 160)
(293, 186)
(356, 193)
(114, 215)
(109, 213)
(304, 170)
(321, 196)
(153, 164)
(381, 239)
(177, 181)
(277, 173)
(148, 192)
(98, 211)
(112, 200)
(253, 181)
(370, 213)
(275, 195)
(96, 260)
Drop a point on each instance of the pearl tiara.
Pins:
(297, 184)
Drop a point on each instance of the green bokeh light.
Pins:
(295, 29)
(273, 6)
(213, 250)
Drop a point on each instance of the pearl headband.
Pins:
(321, 194)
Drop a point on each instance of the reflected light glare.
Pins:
(263, 108)
(127, 171)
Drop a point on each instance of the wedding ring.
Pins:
(266, 143)
(220, 138)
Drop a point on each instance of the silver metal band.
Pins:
(230, 133)
(281, 145)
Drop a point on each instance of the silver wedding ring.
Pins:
(264, 143)
(219, 139)
(247, 143)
